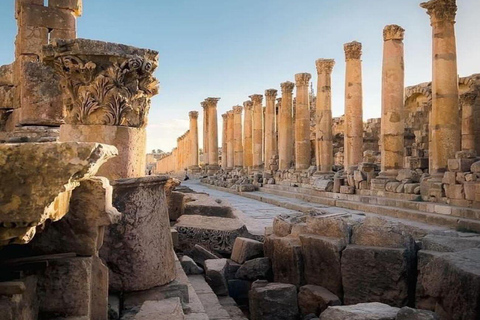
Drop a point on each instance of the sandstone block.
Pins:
(133, 300)
(449, 244)
(404, 174)
(379, 184)
(215, 274)
(323, 185)
(200, 254)
(260, 268)
(30, 40)
(375, 274)
(441, 280)
(347, 189)
(460, 165)
(454, 191)
(315, 299)
(470, 188)
(410, 187)
(407, 313)
(60, 34)
(282, 224)
(287, 261)
(189, 266)
(475, 167)
(47, 17)
(332, 226)
(361, 311)
(273, 301)
(246, 249)
(168, 309)
(6, 75)
(73, 5)
(322, 257)
(6, 97)
(449, 177)
(392, 186)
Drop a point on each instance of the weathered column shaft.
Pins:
(212, 133)
(285, 138)
(230, 140)
(225, 141)
(205, 133)
(393, 87)
(237, 136)
(193, 115)
(445, 125)
(247, 136)
(302, 122)
(324, 139)
(468, 122)
(270, 136)
(353, 105)
(257, 130)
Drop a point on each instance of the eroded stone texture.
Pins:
(361, 311)
(315, 299)
(246, 249)
(273, 301)
(139, 249)
(38, 180)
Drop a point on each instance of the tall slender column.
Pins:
(225, 142)
(353, 105)
(257, 130)
(193, 163)
(230, 140)
(302, 122)
(205, 134)
(392, 123)
(213, 134)
(324, 139)
(285, 138)
(277, 112)
(270, 138)
(468, 121)
(444, 125)
(247, 135)
(237, 136)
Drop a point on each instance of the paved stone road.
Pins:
(255, 214)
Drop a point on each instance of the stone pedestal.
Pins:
(257, 130)
(324, 139)
(247, 135)
(230, 141)
(139, 249)
(353, 105)
(270, 133)
(237, 136)
(393, 123)
(285, 127)
(444, 120)
(302, 123)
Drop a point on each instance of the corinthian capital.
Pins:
(353, 50)
(237, 109)
(302, 79)
(193, 114)
(287, 87)
(256, 98)
(230, 114)
(441, 10)
(393, 32)
(204, 104)
(325, 66)
(211, 102)
(225, 116)
(270, 93)
(248, 105)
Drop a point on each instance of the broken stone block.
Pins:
(422, 299)
(73, 5)
(200, 254)
(470, 188)
(449, 244)
(361, 311)
(215, 274)
(407, 313)
(315, 299)
(449, 177)
(410, 187)
(359, 176)
(246, 249)
(273, 301)
(475, 167)
(139, 249)
(189, 266)
(347, 189)
(376, 274)
(204, 205)
(337, 183)
(454, 191)
(40, 16)
(441, 280)
(392, 186)
(287, 261)
(323, 184)
(405, 174)
(322, 256)
(255, 269)
(337, 226)
(460, 165)
(283, 224)
(168, 309)
(6, 75)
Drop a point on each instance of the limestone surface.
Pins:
(361, 311)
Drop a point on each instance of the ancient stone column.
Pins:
(270, 116)
(230, 141)
(224, 141)
(468, 122)
(285, 138)
(193, 163)
(324, 139)
(247, 135)
(392, 123)
(101, 108)
(212, 134)
(302, 122)
(237, 137)
(353, 140)
(257, 125)
(444, 125)
(205, 134)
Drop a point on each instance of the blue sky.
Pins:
(232, 49)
